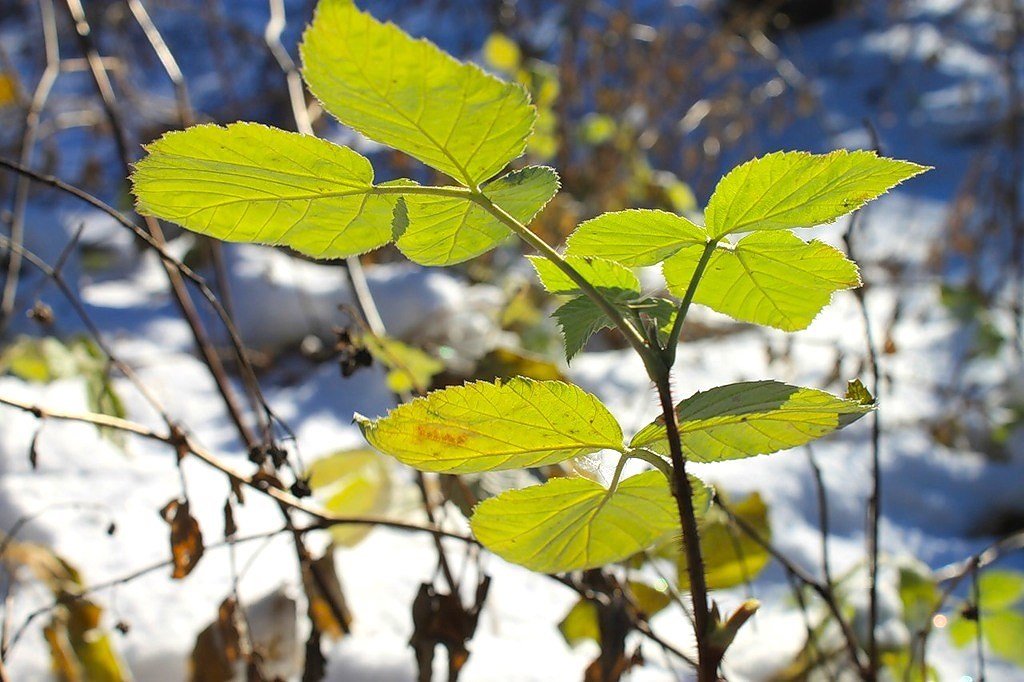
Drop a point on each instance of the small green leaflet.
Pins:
(769, 278)
(250, 183)
(570, 524)
(751, 418)
(634, 237)
(796, 189)
(581, 318)
(485, 426)
(611, 279)
(444, 230)
(408, 94)
(409, 368)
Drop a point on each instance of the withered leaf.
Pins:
(186, 537)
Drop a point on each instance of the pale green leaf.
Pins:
(579, 319)
(635, 237)
(250, 183)
(351, 483)
(751, 418)
(610, 278)
(570, 524)
(410, 95)
(410, 369)
(999, 589)
(443, 230)
(796, 189)
(1004, 633)
(769, 278)
(484, 426)
(731, 556)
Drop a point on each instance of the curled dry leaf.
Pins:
(186, 537)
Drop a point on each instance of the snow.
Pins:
(935, 498)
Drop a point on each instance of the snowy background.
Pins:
(931, 78)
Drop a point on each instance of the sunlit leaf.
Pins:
(484, 426)
(635, 237)
(250, 183)
(795, 189)
(441, 230)
(570, 524)
(351, 483)
(769, 278)
(502, 53)
(999, 589)
(408, 94)
(613, 280)
(751, 418)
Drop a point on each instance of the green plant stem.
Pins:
(654, 460)
(632, 334)
(684, 305)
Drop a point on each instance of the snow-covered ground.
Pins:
(943, 96)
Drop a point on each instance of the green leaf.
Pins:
(769, 278)
(410, 369)
(580, 624)
(410, 95)
(795, 189)
(570, 524)
(611, 279)
(250, 183)
(731, 556)
(635, 237)
(351, 483)
(443, 230)
(1004, 633)
(1000, 589)
(579, 319)
(919, 595)
(751, 418)
(483, 426)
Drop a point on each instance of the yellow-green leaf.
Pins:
(351, 483)
(634, 237)
(731, 556)
(570, 524)
(444, 230)
(410, 95)
(250, 183)
(485, 426)
(610, 278)
(409, 368)
(795, 189)
(769, 278)
(751, 418)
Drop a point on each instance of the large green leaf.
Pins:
(795, 189)
(569, 524)
(613, 280)
(634, 237)
(444, 230)
(484, 426)
(408, 94)
(250, 183)
(751, 418)
(769, 278)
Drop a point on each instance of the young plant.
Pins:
(251, 183)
